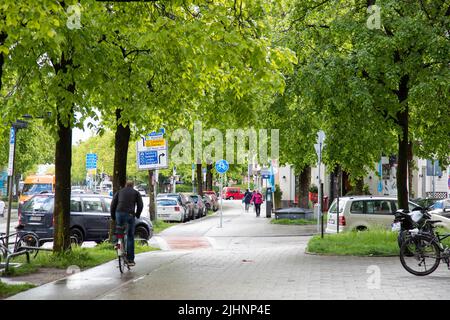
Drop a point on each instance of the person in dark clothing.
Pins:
(125, 206)
(247, 199)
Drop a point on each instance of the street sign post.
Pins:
(319, 146)
(222, 166)
(12, 152)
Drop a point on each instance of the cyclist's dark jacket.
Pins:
(125, 201)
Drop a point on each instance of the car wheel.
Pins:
(231, 198)
(76, 236)
(361, 228)
(141, 235)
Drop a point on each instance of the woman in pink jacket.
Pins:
(257, 199)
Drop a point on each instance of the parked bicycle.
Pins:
(421, 248)
(23, 242)
(422, 252)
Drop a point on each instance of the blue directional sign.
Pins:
(12, 136)
(91, 161)
(222, 166)
(148, 157)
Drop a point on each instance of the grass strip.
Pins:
(84, 258)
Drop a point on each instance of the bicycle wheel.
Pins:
(120, 257)
(420, 255)
(28, 240)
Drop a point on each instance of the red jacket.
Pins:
(257, 198)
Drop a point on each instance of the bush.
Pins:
(313, 189)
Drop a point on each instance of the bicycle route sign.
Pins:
(222, 166)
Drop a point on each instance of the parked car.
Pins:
(441, 207)
(214, 201)
(425, 202)
(89, 217)
(364, 212)
(211, 192)
(170, 209)
(183, 199)
(200, 205)
(208, 202)
(232, 193)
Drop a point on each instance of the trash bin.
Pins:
(269, 202)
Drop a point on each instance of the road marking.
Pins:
(161, 243)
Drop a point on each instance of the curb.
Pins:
(349, 255)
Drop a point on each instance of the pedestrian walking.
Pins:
(257, 199)
(125, 206)
(247, 199)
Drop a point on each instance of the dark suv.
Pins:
(89, 217)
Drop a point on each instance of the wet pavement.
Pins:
(248, 258)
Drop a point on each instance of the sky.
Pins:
(83, 134)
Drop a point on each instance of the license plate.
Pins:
(396, 226)
(34, 218)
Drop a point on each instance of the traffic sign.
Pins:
(152, 151)
(12, 145)
(222, 166)
(91, 161)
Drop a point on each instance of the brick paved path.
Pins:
(246, 259)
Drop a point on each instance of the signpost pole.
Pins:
(12, 154)
(221, 199)
(155, 190)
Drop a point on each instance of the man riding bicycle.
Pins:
(124, 211)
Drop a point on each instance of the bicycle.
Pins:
(23, 244)
(419, 246)
(121, 247)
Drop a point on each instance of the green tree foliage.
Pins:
(373, 90)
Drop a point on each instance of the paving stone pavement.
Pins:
(247, 259)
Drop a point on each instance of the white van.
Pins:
(364, 212)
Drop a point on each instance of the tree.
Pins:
(376, 89)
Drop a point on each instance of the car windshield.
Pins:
(195, 198)
(166, 202)
(342, 203)
(35, 188)
(38, 204)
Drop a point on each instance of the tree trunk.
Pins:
(3, 36)
(122, 138)
(209, 184)
(151, 195)
(199, 179)
(403, 145)
(411, 165)
(305, 181)
(359, 187)
(63, 163)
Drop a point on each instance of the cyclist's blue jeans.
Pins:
(123, 218)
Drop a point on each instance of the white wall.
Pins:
(286, 180)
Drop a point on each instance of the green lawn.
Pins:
(160, 225)
(7, 290)
(375, 242)
(84, 258)
(293, 221)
